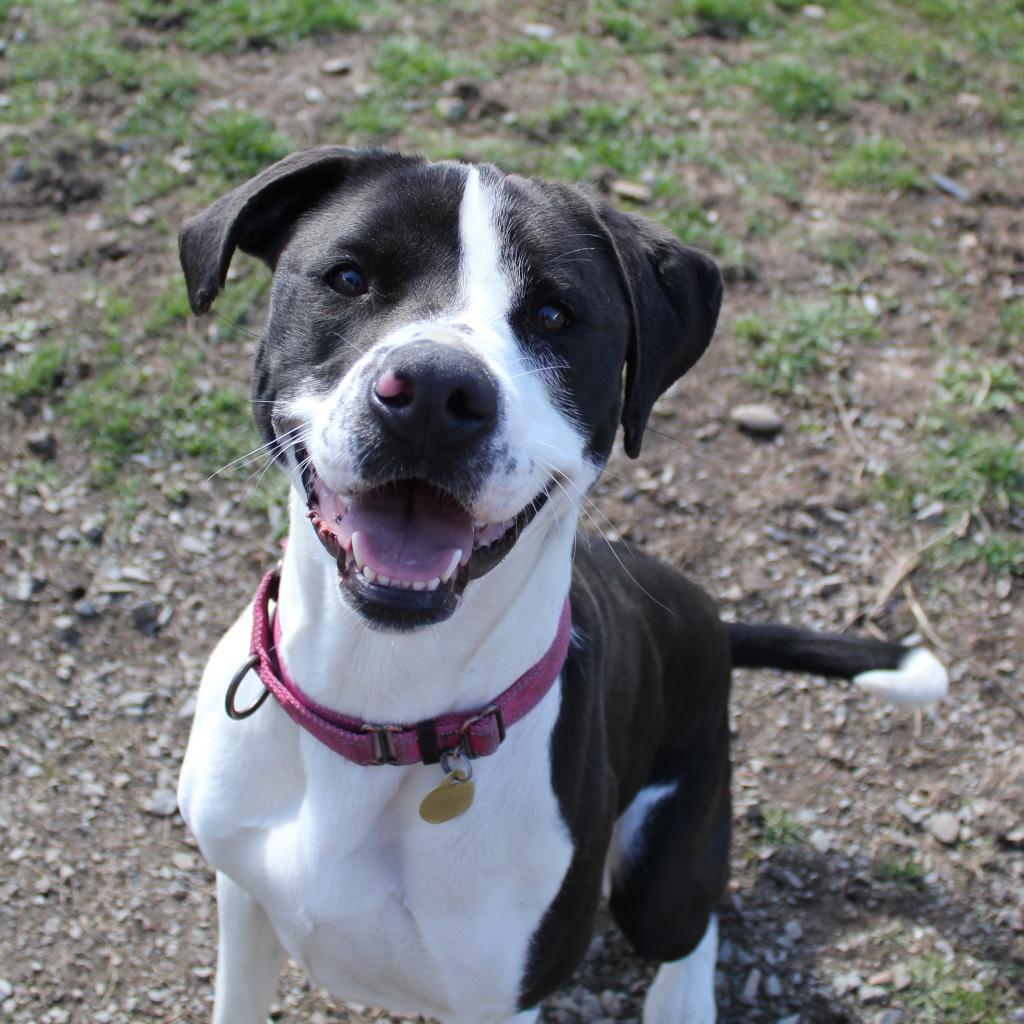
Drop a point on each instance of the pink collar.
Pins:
(473, 734)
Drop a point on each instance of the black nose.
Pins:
(430, 396)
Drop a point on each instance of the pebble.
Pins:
(42, 444)
(141, 216)
(890, 1017)
(751, 986)
(632, 190)
(538, 30)
(901, 977)
(945, 826)
(134, 702)
(772, 986)
(145, 617)
(869, 994)
(757, 418)
(451, 108)
(162, 803)
(843, 983)
(820, 840)
(336, 66)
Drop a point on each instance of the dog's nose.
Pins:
(429, 396)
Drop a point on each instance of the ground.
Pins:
(855, 166)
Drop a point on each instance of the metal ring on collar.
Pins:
(446, 763)
(229, 698)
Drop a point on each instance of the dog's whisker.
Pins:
(267, 448)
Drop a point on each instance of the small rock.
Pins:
(751, 986)
(951, 187)
(19, 172)
(86, 609)
(758, 419)
(42, 444)
(890, 1017)
(871, 304)
(141, 216)
(945, 827)
(336, 66)
(820, 840)
(843, 983)
(67, 630)
(162, 803)
(814, 11)
(1004, 587)
(92, 530)
(6, 989)
(134, 702)
(906, 810)
(538, 30)
(146, 618)
(772, 986)
(1013, 839)
(901, 977)
(28, 585)
(793, 1018)
(632, 190)
(793, 931)
(451, 108)
(314, 94)
(869, 994)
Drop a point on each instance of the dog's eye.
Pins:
(552, 317)
(348, 280)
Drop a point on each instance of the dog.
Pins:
(478, 725)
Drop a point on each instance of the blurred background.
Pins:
(849, 455)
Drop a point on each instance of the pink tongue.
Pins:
(408, 531)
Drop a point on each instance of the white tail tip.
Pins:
(921, 679)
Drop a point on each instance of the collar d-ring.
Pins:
(229, 698)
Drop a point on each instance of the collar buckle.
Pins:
(466, 741)
(384, 751)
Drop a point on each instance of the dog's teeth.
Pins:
(452, 565)
(368, 574)
(419, 585)
(357, 550)
(384, 580)
(433, 584)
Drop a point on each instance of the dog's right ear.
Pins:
(257, 217)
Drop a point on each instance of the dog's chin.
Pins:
(406, 550)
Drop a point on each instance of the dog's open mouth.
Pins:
(406, 550)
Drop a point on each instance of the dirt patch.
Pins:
(844, 906)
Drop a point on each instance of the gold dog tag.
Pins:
(453, 797)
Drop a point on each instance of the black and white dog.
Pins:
(448, 355)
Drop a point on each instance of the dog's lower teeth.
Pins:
(433, 584)
(368, 574)
(419, 585)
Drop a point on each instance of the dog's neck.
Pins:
(504, 625)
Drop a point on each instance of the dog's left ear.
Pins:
(675, 293)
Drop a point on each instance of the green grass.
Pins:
(238, 24)
(730, 18)
(781, 829)
(905, 871)
(972, 458)
(803, 340)
(796, 89)
(233, 145)
(36, 374)
(951, 993)
(876, 163)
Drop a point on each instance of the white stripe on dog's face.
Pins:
(485, 282)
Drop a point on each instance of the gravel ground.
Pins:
(878, 864)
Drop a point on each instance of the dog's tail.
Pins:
(903, 675)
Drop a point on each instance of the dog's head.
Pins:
(448, 354)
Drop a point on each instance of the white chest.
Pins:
(375, 904)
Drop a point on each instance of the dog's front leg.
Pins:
(249, 957)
